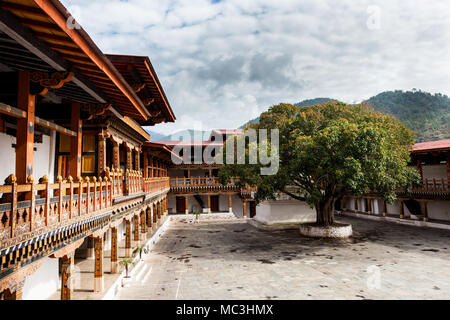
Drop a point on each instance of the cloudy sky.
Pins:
(222, 63)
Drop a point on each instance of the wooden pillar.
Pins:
(209, 203)
(244, 208)
(90, 247)
(448, 169)
(137, 160)
(146, 175)
(424, 207)
(67, 275)
(151, 168)
(384, 208)
(116, 155)
(230, 203)
(143, 225)
(187, 205)
(129, 159)
(149, 219)
(76, 125)
(25, 129)
(101, 164)
(127, 238)
(136, 229)
(369, 205)
(155, 216)
(98, 273)
(114, 250)
(166, 204)
(402, 210)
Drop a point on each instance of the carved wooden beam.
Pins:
(96, 109)
(43, 81)
(148, 101)
(138, 87)
(68, 250)
(154, 111)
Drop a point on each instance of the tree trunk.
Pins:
(324, 212)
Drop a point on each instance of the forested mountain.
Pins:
(304, 103)
(426, 114)
(313, 102)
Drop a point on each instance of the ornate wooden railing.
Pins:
(29, 209)
(429, 188)
(207, 184)
(433, 185)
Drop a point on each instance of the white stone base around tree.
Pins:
(282, 214)
(337, 231)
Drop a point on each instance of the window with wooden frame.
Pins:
(63, 153)
(89, 155)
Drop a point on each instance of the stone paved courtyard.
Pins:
(225, 258)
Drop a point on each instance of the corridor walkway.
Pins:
(226, 258)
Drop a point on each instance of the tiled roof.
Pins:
(432, 146)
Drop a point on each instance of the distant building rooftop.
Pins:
(440, 145)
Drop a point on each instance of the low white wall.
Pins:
(284, 211)
(439, 210)
(43, 283)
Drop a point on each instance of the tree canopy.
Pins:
(328, 150)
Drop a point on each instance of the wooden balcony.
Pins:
(207, 185)
(30, 210)
(430, 188)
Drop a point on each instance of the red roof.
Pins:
(432, 146)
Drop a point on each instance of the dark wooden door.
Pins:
(252, 209)
(214, 203)
(181, 205)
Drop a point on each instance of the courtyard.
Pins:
(224, 258)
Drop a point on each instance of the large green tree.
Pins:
(329, 150)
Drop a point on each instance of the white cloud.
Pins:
(222, 63)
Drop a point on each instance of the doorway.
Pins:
(214, 203)
(252, 209)
(181, 205)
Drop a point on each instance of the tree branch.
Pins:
(292, 195)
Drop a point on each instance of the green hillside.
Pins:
(304, 103)
(426, 114)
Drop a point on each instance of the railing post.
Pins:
(88, 194)
(80, 195)
(100, 180)
(46, 194)
(70, 179)
(32, 198)
(94, 206)
(12, 180)
(59, 179)
(127, 182)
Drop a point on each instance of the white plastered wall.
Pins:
(284, 211)
(44, 282)
(43, 157)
